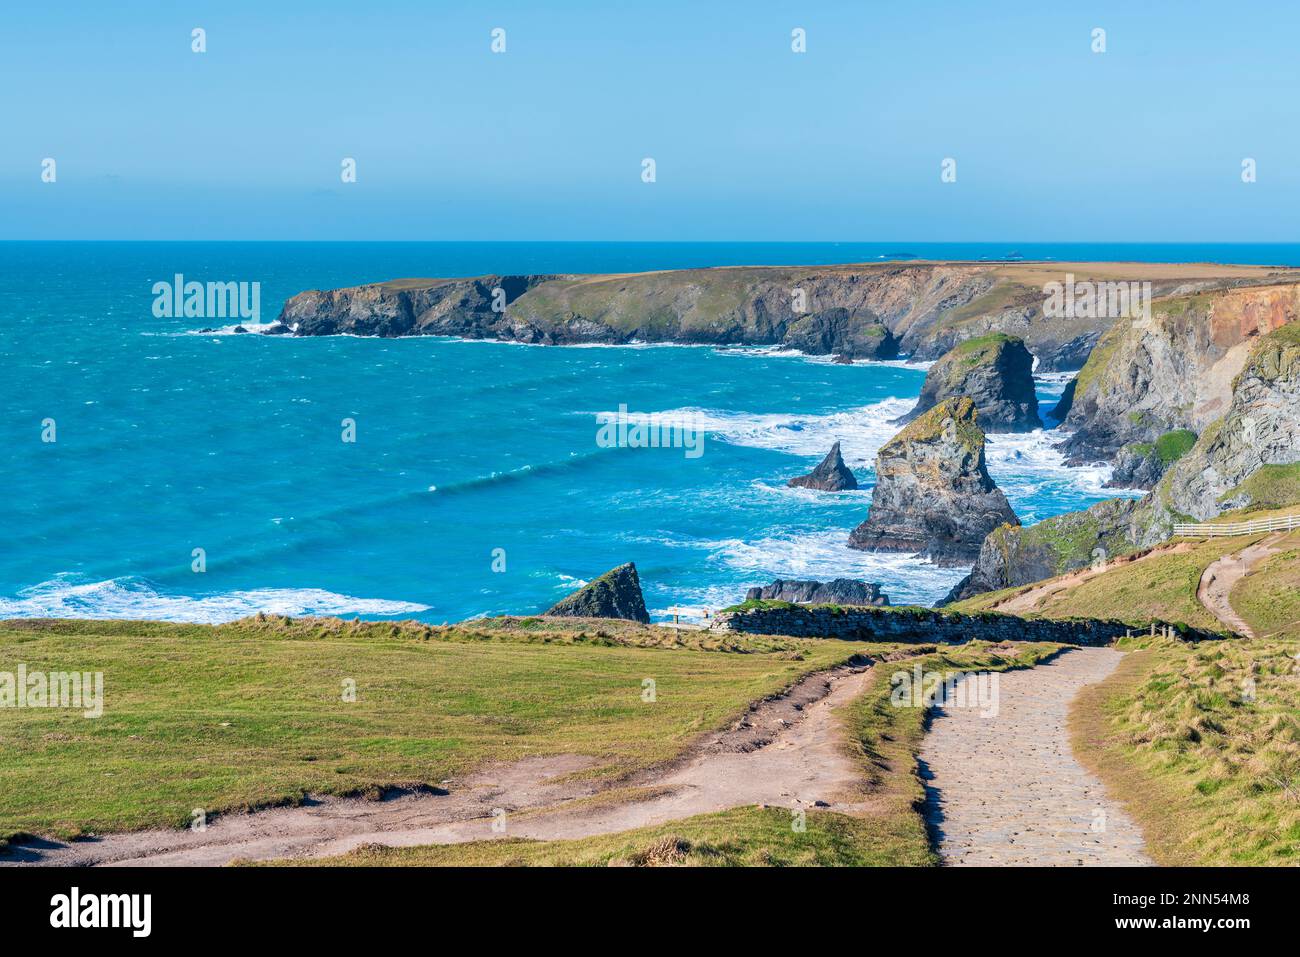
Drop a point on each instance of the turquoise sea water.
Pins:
(169, 440)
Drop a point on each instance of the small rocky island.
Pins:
(933, 493)
(832, 475)
(841, 591)
(615, 594)
(996, 372)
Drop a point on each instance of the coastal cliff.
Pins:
(865, 311)
(1148, 378)
(1249, 457)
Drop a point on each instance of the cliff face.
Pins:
(1018, 555)
(874, 311)
(1259, 431)
(996, 373)
(1148, 378)
(1250, 456)
(454, 307)
(933, 493)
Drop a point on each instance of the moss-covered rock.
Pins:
(933, 493)
(615, 594)
(1141, 464)
(996, 372)
(1018, 555)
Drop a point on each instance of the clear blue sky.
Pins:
(751, 141)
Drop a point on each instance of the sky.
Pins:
(750, 140)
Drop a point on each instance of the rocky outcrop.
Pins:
(1141, 464)
(933, 493)
(832, 475)
(841, 591)
(1149, 377)
(996, 372)
(1260, 430)
(1014, 555)
(414, 307)
(848, 335)
(873, 311)
(615, 594)
(1250, 456)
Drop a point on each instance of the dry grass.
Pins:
(1202, 744)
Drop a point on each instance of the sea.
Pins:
(156, 471)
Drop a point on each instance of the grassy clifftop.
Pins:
(254, 713)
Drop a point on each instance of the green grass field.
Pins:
(885, 739)
(1162, 587)
(252, 713)
(1268, 597)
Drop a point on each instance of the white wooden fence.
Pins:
(1256, 527)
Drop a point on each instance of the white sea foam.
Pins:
(64, 597)
(861, 431)
(785, 352)
(1024, 464)
(1051, 385)
(812, 498)
(796, 553)
(1029, 469)
(250, 328)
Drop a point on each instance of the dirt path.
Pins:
(1006, 789)
(1034, 598)
(787, 751)
(1219, 577)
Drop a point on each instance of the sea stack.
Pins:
(615, 594)
(933, 493)
(832, 475)
(996, 372)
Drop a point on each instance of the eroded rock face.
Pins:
(832, 475)
(841, 591)
(1141, 465)
(1261, 428)
(840, 331)
(1014, 555)
(996, 372)
(415, 307)
(874, 311)
(1137, 465)
(1250, 455)
(615, 594)
(933, 493)
(1146, 378)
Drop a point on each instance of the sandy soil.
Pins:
(1219, 577)
(1006, 789)
(788, 750)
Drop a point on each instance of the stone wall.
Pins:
(927, 625)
